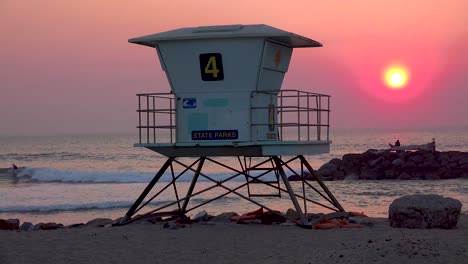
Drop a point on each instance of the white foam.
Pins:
(76, 176)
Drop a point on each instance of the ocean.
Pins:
(73, 179)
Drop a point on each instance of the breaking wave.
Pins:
(92, 206)
(75, 176)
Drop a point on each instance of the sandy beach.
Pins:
(235, 243)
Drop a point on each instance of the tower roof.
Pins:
(229, 31)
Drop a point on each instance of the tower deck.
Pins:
(300, 121)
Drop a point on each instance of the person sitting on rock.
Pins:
(397, 143)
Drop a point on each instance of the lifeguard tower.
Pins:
(226, 101)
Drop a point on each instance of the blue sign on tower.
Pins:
(189, 102)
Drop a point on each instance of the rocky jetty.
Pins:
(402, 165)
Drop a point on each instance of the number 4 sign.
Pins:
(211, 67)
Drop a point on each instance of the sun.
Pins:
(396, 77)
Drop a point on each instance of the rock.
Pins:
(201, 216)
(424, 211)
(294, 178)
(375, 162)
(306, 175)
(432, 176)
(26, 226)
(38, 226)
(183, 219)
(292, 214)
(269, 218)
(117, 221)
(398, 162)
(171, 225)
(369, 173)
(463, 160)
(464, 167)
(311, 216)
(339, 175)
(391, 174)
(47, 226)
(327, 169)
(75, 225)
(351, 177)
(417, 158)
(51, 226)
(153, 219)
(10, 224)
(224, 217)
(99, 222)
(336, 162)
(404, 176)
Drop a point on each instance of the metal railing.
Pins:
(156, 117)
(301, 116)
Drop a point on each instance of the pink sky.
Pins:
(66, 66)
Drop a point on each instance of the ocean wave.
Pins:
(94, 206)
(65, 156)
(66, 207)
(75, 176)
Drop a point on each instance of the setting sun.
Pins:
(396, 77)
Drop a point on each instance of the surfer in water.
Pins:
(14, 172)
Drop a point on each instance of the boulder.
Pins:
(38, 226)
(99, 222)
(463, 160)
(151, 218)
(337, 162)
(339, 175)
(172, 225)
(51, 226)
(424, 211)
(375, 162)
(328, 169)
(398, 162)
(404, 176)
(368, 173)
(294, 178)
(312, 216)
(75, 225)
(47, 226)
(391, 174)
(417, 158)
(10, 224)
(201, 216)
(26, 226)
(269, 218)
(292, 214)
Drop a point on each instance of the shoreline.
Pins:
(235, 243)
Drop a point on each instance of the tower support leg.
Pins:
(321, 183)
(192, 184)
(279, 167)
(148, 188)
